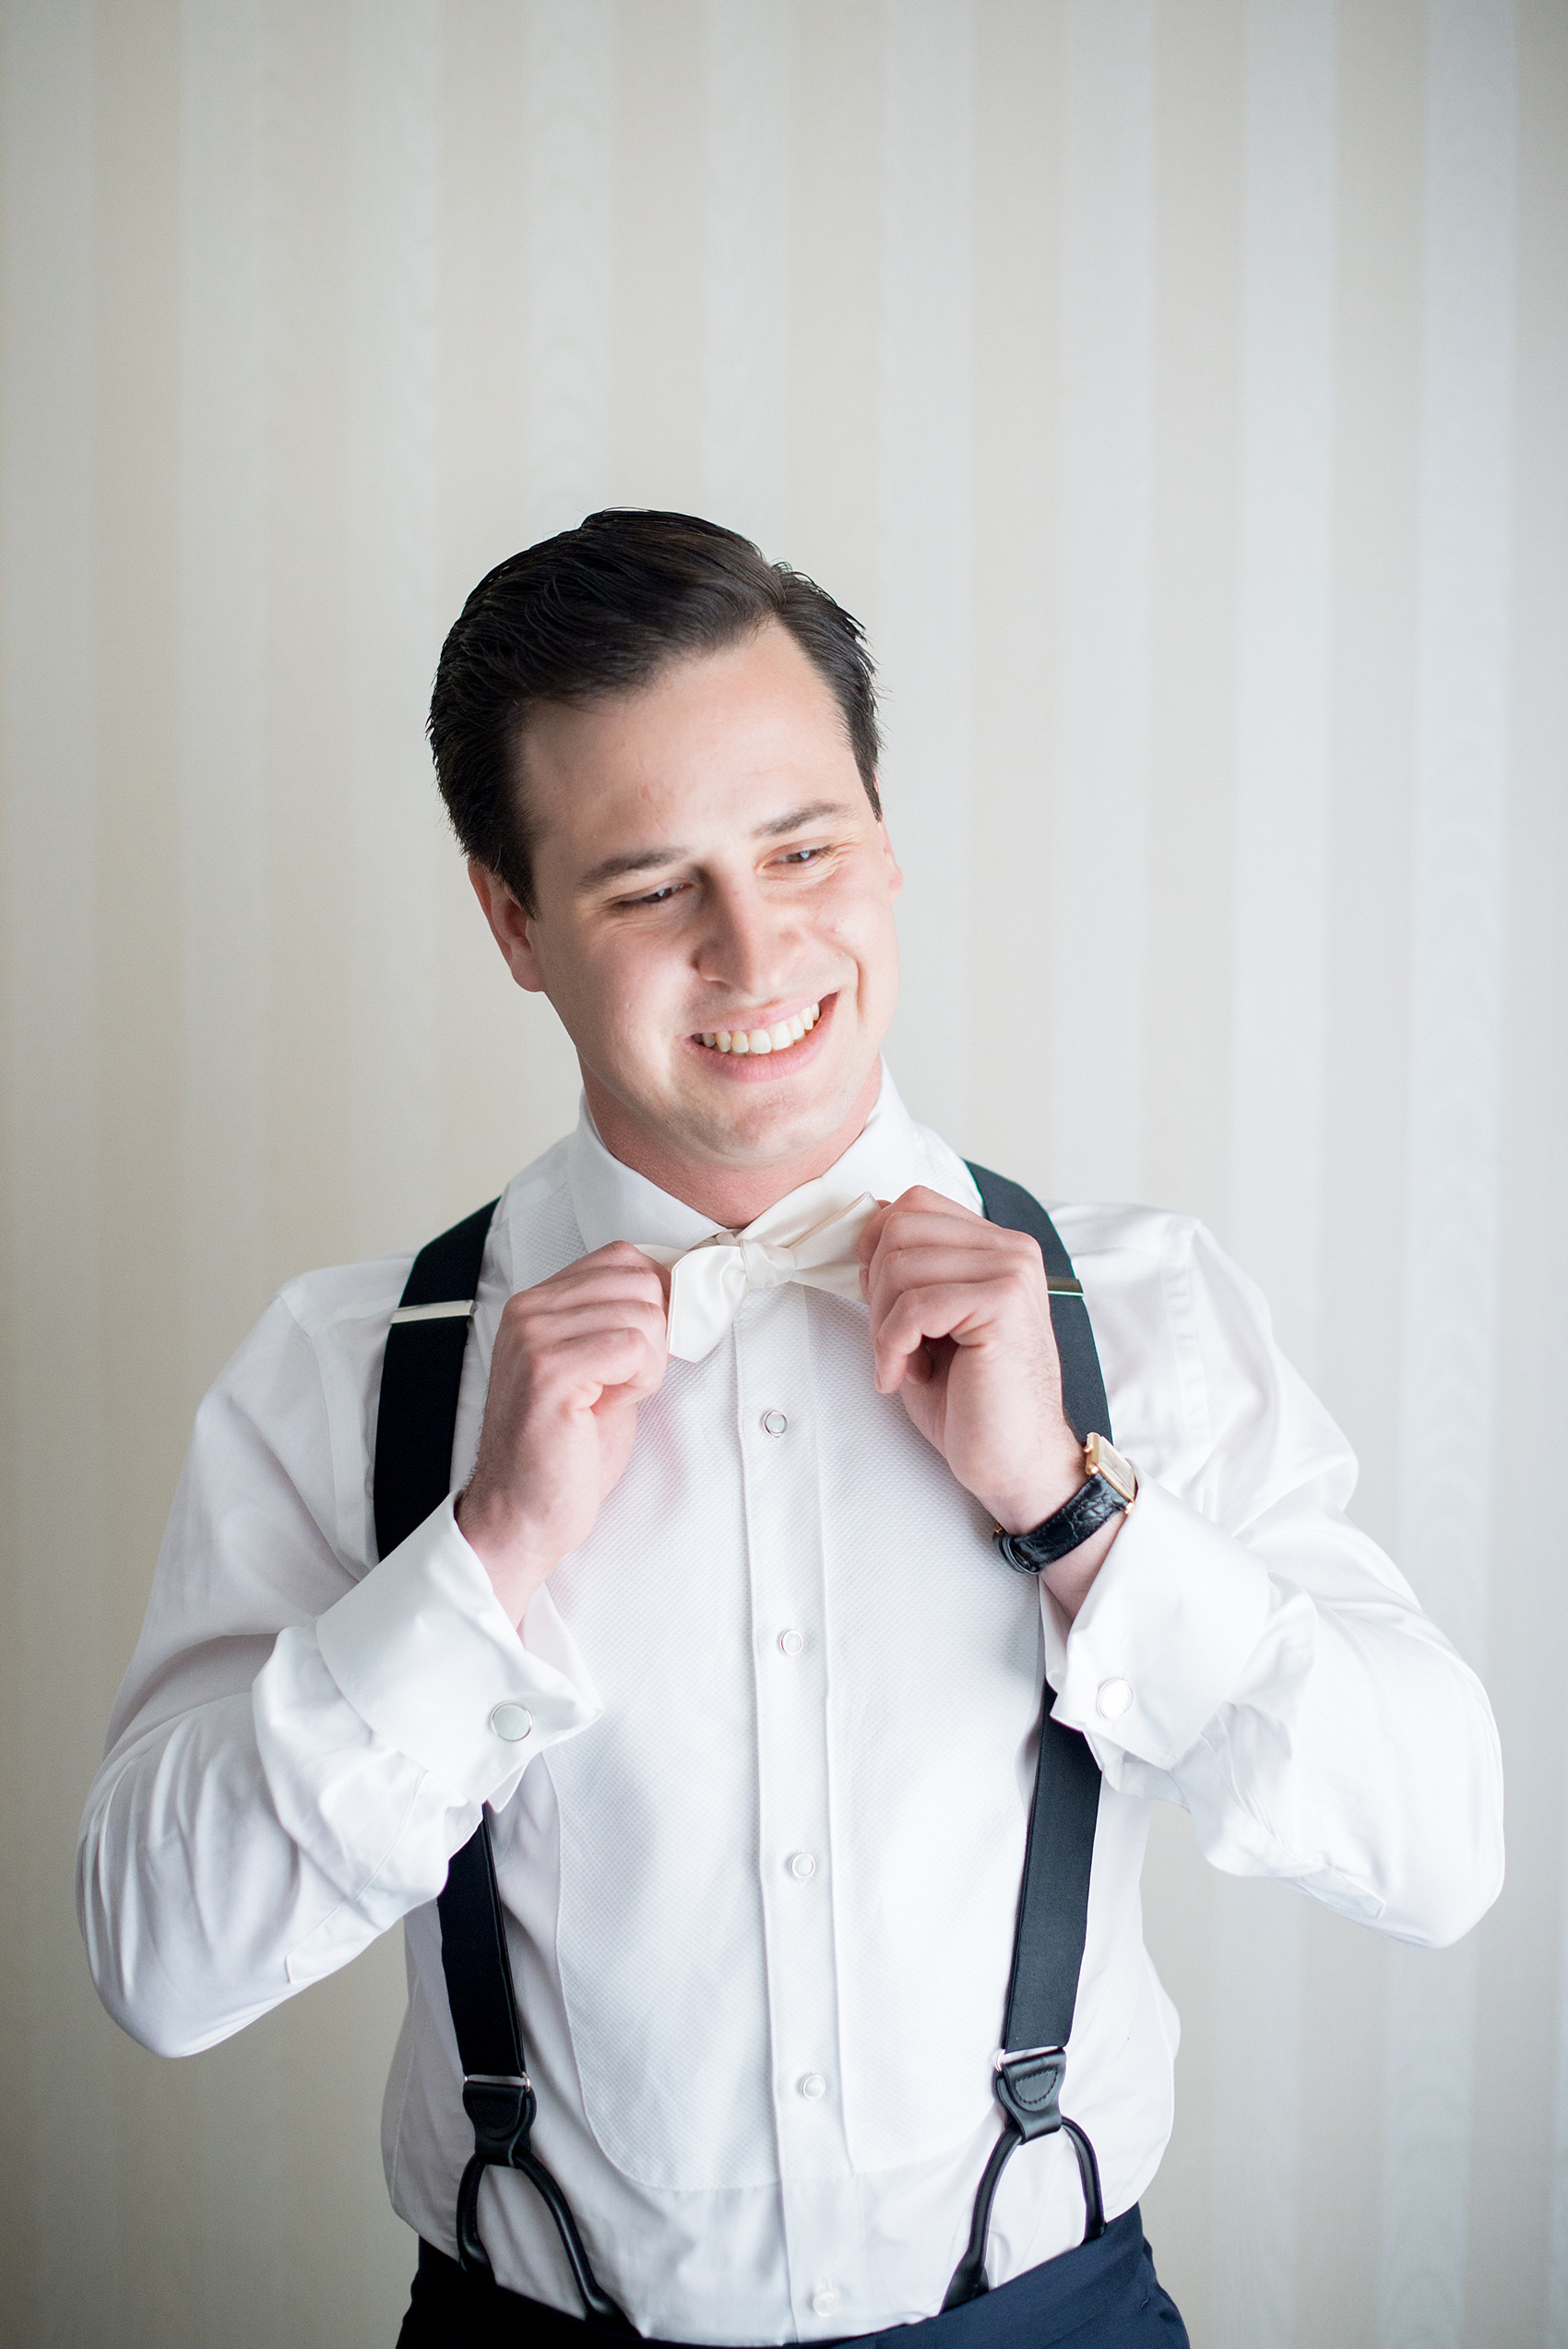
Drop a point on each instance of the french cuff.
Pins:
(427, 1656)
(1164, 1634)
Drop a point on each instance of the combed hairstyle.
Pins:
(601, 610)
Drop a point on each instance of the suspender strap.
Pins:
(1083, 1387)
(421, 1375)
(1053, 1899)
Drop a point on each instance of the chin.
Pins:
(762, 1127)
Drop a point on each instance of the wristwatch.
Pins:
(1111, 1486)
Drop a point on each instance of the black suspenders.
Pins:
(420, 1375)
(420, 1380)
(1054, 1899)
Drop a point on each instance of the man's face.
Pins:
(707, 864)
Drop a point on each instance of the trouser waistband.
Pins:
(1108, 2286)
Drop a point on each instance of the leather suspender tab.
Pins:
(1028, 2087)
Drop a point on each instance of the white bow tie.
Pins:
(807, 1237)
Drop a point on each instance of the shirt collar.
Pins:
(889, 1154)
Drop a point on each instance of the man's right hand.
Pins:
(572, 1360)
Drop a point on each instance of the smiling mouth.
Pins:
(778, 1038)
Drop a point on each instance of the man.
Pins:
(718, 1627)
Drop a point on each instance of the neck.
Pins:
(728, 1193)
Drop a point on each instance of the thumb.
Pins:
(870, 1233)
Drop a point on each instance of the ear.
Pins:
(895, 870)
(512, 928)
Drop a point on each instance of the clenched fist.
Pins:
(573, 1359)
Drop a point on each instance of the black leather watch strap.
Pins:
(1094, 1504)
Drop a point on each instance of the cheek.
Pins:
(862, 927)
(636, 999)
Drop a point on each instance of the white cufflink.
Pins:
(513, 1723)
(1114, 1699)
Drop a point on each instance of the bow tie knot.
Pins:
(806, 1238)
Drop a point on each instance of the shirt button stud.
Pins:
(812, 2087)
(774, 1423)
(1113, 1699)
(825, 2299)
(802, 1864)
(791, 1643)
(513, 1723)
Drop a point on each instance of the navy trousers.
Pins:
(1103, 2296)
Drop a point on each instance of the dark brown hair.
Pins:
(600, 610)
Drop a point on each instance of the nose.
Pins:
(751, 943)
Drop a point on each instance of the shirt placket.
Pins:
(776, 1409)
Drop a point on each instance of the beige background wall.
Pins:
(1179, 388)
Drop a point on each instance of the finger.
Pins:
(865, 1247)
(996, 1292)
(613, 1252)
(920, 1198)
(622, 1253)
(610, 1291)
(949, 1256)
(590, 1362)
(546, 1311)
(918, 1206)
(633, 1275)
(538, 1331)
(962, 1310)
(924, 1227)
(921, 1217)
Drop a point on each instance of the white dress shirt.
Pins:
(760, 1846)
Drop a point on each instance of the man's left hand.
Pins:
(960, 1329)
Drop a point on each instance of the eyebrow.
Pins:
(648, 860)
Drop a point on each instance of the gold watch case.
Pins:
(1102, 1458)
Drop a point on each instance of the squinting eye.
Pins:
(800, 855)
(656, 896)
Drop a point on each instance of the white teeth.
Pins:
(778, 1038)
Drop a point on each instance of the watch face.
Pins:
(1102, 1458)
